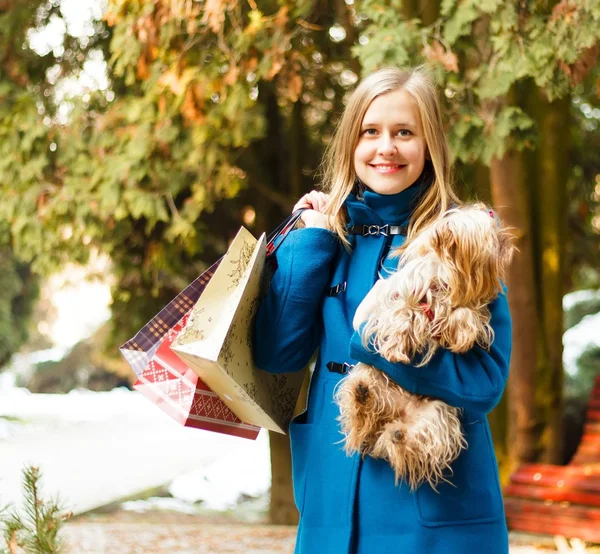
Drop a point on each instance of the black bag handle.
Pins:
(282, 230)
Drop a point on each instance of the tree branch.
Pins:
(274, 196)
(342, 12)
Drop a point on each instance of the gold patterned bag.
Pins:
(216, 343)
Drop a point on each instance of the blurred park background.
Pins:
(136, 137)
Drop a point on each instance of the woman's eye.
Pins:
(404, 132)
(370, 131)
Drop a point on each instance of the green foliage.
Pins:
(34, 529)
(203, 108)
(18, 293)
(579, 386)
(391, 42)
(486, 49)
(230, 104)
(583, 190)
(461, 21)
(588, 305)
(11, 286)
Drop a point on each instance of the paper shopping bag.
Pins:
(217, 340)
(170, 384)
(165, 379)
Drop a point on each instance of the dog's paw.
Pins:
(421, 445)
(391, 445)
(355, 398)
(362, 394)
(366, 401)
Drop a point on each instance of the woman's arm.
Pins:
(474, 380)
(288, 323)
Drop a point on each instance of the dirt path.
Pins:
(173, 538)
(171, 533)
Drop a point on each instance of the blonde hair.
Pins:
(339, 176)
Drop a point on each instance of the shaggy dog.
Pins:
(439, 297)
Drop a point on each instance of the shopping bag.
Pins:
(177, 390)
(217, 344)
(166, 380)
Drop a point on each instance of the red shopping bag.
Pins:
(177, 390)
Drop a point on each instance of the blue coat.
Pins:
(348, 504)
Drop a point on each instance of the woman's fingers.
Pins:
(314, 200)
(301, 204)
(322, 200)
(314, 203)
(312, 218)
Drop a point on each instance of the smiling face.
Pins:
(390, 154)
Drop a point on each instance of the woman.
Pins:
(387, 176)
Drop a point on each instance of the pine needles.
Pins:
(35, 528)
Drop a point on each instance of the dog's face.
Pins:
(474, 250)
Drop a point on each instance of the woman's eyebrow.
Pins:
(401, 124)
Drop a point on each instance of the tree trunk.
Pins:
(499, 426)
(478, 188)
(282, 510)
(510, 196)
(297, 141)
(274, 199)
(429, 11)
(550, 215)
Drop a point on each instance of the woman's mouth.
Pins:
(387, 168)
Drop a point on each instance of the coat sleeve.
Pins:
(474, 380)
(288, 323)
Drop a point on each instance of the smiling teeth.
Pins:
(386, 167)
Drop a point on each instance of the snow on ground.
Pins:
(96, 448)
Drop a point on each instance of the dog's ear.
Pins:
(453, 247)
(443, 240)
(499, 256)
(506, 243)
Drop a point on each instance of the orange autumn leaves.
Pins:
(444, 56)
(175, 36)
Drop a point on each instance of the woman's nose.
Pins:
(386, 146)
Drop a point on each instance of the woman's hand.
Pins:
(314, 203)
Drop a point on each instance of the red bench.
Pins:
(561, 500)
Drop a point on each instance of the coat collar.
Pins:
(377, 209)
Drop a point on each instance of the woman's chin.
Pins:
(388, 188)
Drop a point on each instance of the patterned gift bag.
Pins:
(177, 390)
(165, 379)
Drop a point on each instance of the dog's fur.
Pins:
(438, 298)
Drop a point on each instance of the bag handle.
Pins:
(282, 231)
